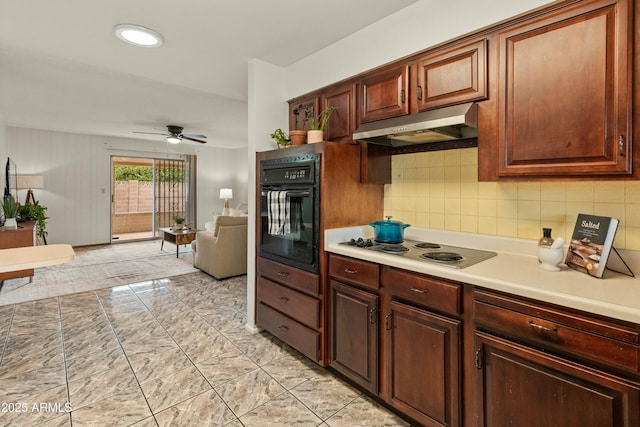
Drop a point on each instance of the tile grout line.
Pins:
(106, 315)
(185, 353)
(6, 336)
(64, 360)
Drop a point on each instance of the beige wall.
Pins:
(440, 190)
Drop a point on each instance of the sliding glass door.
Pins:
(148, 194)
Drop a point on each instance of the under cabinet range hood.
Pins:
(442, 124)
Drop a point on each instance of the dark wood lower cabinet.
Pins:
(423, 365)
(520, 386)
(354, 334)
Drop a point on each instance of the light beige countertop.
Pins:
(514, 270)
(24, 258)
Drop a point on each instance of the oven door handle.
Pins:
(291, 193)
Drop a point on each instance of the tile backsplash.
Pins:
(440, 190)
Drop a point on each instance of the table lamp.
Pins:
(30, 182)
(226, 194)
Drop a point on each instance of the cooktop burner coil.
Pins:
(442, 256)
(426, 245)
(394, 248)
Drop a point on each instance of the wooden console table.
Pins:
(24, 235)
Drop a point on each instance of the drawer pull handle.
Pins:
(543, 329)
(350, 271)
(283, 299)
(282, 273)
(372, 315)
(283, 328)
(418, 291)
(387, 322)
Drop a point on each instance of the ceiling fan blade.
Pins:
(194, 135)
(194, 139)
(152, 133)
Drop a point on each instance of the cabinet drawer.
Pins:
(288, 330)
(354, 271)
(423, 290)
(566, 333)
(303, 308)
(290, 276)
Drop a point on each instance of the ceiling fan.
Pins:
(174, 135)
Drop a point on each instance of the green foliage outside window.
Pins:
(145, 174)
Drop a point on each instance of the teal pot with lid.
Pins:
(388, 231)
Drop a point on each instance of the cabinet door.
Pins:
(523, 387)
(384, 94)
(452, 76)
(354, 334)
(565, 92)
(300, 109)
(423, 365)
(342, 123)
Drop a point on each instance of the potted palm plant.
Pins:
(317, 125)
(10, 208)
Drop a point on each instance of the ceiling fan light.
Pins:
(173, 140)
(138, 35)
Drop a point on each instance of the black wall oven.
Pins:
(289, 225)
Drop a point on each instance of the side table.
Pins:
(178, 237)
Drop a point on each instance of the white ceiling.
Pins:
(63, 69)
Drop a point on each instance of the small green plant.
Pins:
(280, 137)
(320, 121)
(35, 212)
(10, 206)
(179, 219)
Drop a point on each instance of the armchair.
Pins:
(222, 252)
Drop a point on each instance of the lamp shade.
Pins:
(30, 182)
(226, 193)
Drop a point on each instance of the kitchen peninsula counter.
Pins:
(514, 270)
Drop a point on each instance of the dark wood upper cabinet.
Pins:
(342, 123)
(384, 94)
(450, 76)
(300, 109)
(564, 92)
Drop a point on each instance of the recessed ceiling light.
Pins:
(138, 36)
(173, 140)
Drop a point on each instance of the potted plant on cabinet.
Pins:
(35, 212)
(281, 138)
(317, 125)
(10, 208)
(298, 137)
